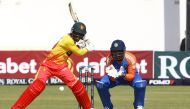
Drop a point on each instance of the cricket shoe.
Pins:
(139, 107)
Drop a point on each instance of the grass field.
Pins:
(157, 97)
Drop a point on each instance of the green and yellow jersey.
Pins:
(62, 50)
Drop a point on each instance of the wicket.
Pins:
(87, 70)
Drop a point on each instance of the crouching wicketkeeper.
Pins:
(121, 70)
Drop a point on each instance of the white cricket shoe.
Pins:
(139, 107)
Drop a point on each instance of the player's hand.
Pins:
(89, 45)
(81, 43)
(111, 71)
(121, 72)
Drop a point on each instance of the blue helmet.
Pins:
(118, 50)
(118, 45)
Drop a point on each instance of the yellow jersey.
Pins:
(63, 49)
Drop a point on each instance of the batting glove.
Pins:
(81, 43)
(89, 45)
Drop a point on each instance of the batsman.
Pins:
(121, 70)
(56, 65)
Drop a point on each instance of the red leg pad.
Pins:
(31, 92)
(81, 95)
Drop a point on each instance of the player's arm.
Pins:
(131, 67)
(79, 51)
(69, 44)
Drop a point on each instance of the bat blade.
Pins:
(73, 13)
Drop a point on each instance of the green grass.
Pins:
(157, 97)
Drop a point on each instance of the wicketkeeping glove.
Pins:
(121, 72)
(112, 72)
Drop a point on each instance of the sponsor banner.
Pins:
(20, 64)
(170, 82)
(24, 64)
(97, 59)
(15, 81)
(161, 82)
(57, 81)
(26, 81)
(172, 65)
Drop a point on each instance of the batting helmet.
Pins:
(79, 29)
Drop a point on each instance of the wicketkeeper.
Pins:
(121, 70)
(56, 65)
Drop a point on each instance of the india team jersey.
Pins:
(128, 64)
